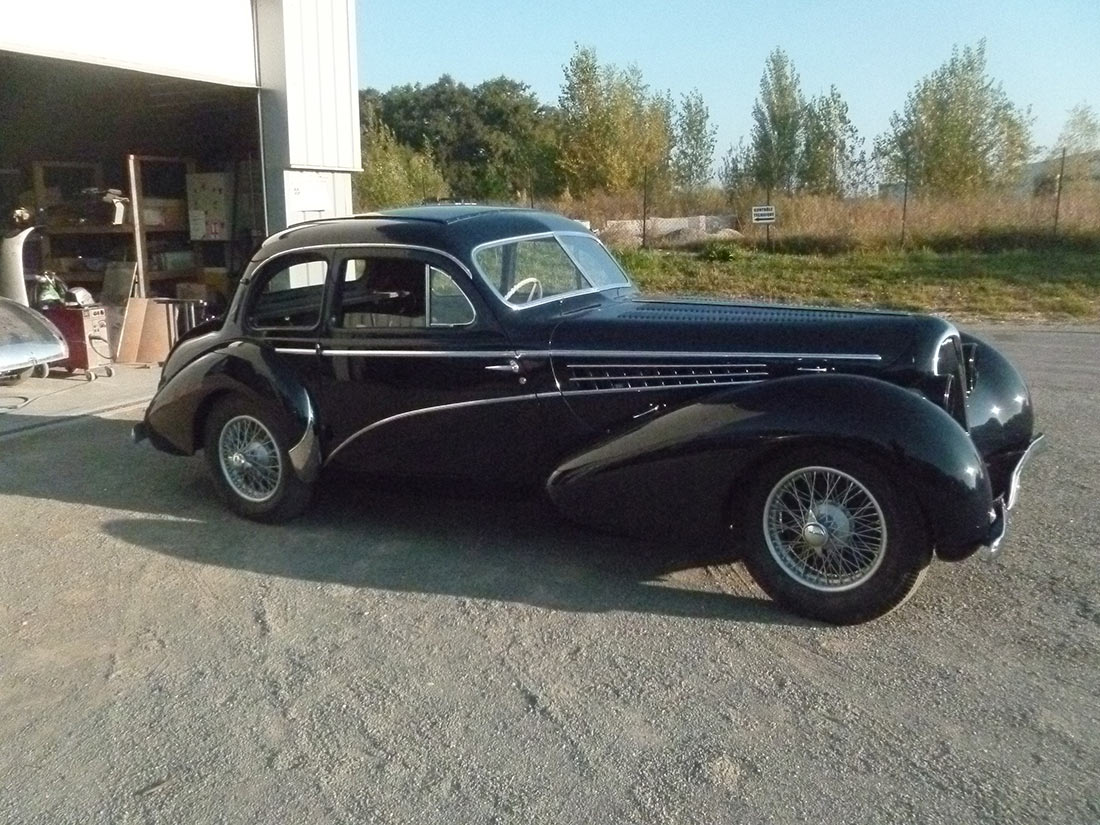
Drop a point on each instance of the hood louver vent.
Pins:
(672, 312)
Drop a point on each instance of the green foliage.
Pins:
(492, 142)
(958, 132)
(693, 149)
(394, 174)
(613, 133)
(1081, 132)
(830, 163)
(777, 125)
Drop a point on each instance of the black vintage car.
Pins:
(835, 451)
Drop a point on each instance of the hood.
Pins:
(769, 333)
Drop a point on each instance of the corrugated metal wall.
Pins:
(309, 101)
(322, 98)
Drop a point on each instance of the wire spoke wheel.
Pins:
(825, 529)
(249, 458)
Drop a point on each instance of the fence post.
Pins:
(645, 204)
(1058, 198)
(768, 226)
(905, 202)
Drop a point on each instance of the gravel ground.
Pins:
(402, 657)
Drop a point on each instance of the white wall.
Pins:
(197, 39)
(309, 107)
(322, 84)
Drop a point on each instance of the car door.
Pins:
(418, 378)
(284, 312)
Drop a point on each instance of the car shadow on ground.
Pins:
(443, 539)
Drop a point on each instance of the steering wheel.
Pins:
(535, 290)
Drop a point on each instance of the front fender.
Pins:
(175, 416)
(684, 466)
(999, 411)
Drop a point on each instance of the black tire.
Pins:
(277, 494)
(874, 546)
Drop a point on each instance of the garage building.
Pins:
(154, 144)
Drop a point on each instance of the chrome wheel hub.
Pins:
(824, 529)
(249, 458)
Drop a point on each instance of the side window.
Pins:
(386, 293)
(289, 293)
(382, 292)
(448, 304)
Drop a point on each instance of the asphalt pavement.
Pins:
(402, 655)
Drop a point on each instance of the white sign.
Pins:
(763, 214)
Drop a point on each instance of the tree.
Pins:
(830, 161)
(1081, 132)
(492, 142)
(613, 133)
(693, 147)
(777, 125)
(393, 174)
(958, 132)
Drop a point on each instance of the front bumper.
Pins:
(998, 527)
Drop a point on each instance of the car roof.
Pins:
(453, 228)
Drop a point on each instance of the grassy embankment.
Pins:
(982, 257)
(1027, 284)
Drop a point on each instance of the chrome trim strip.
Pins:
(424, 411)
(421, 353)
(796, 356)
(334, 246)
(1014, 483)
(305, 456)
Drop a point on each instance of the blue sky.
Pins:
(1045, 53)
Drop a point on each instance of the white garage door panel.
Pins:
(198, 39)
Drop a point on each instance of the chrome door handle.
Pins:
(511, 366)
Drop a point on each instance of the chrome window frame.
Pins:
(590, 290)
(254, 291)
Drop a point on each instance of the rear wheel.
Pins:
(246, 448)
(832, 537)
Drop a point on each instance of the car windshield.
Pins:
(529, 270)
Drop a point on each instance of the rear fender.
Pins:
(686, 465)
(175, 418)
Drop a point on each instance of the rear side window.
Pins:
(386, 293)
(289, 293)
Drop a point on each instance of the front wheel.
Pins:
(246, 451)
(832, 537)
